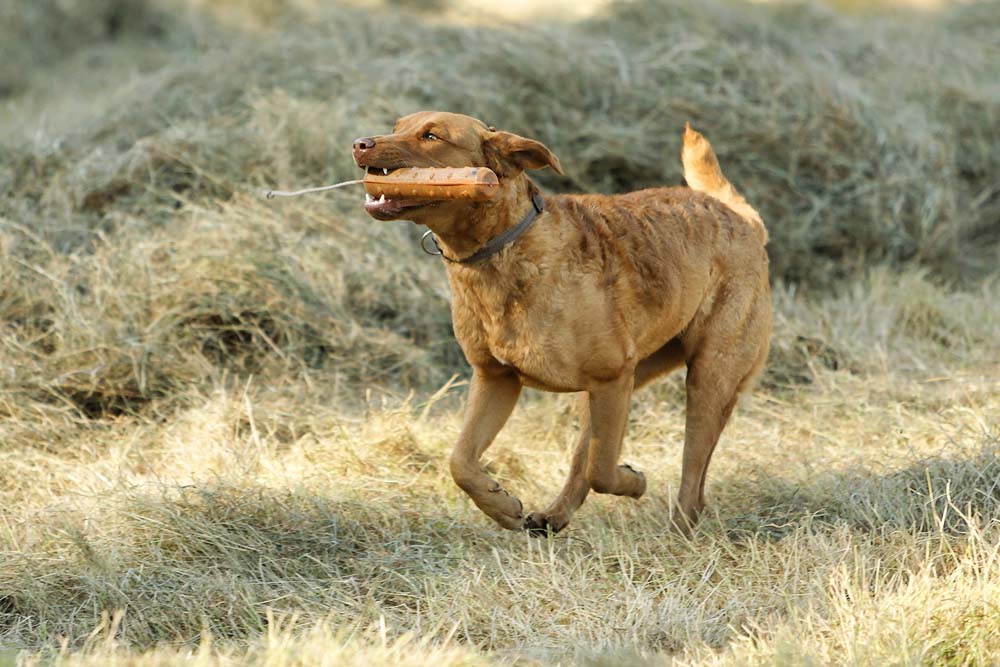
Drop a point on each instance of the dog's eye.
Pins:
(429, 136)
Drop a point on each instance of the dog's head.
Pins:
(441, 139)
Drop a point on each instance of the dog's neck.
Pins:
(468, 231)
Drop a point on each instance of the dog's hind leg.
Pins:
(710, 402)
(491, 400)
(716, 376)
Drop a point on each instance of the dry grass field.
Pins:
(224, 421)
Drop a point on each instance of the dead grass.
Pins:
(854, 521)
(224, 421)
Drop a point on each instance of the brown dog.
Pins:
(600, 294)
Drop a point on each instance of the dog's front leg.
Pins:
(557, 515)
(491, 399)
(609, 405)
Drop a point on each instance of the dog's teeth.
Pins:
(385, 171)
(368, 198)
(381, 200)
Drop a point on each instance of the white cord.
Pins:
(271, 194)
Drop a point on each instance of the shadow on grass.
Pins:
(943, 494)
(222, 558)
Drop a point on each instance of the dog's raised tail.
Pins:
(702, 173)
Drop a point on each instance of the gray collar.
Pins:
(495, 244)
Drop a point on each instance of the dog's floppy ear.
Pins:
(507, 152)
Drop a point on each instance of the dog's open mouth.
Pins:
(384, 208)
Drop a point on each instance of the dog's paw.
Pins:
(502, 507)
(539, 525)
(683, 521)
(640, 481)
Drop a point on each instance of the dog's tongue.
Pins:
(383, 206)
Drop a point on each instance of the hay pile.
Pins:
(137, 261)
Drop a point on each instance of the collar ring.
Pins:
(423, 244)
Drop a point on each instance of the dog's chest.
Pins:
(551, 339)
(540, 363)
(505, 331)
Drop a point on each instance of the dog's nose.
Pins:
(361, 145)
